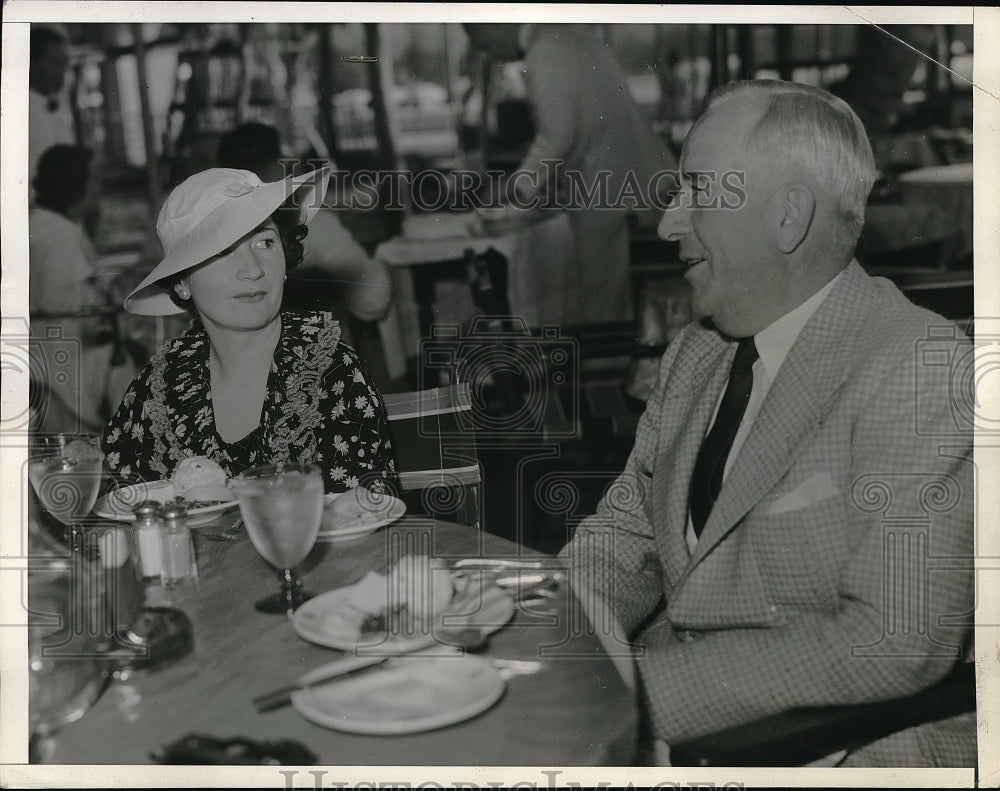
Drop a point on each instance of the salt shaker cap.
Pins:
(173, 509)
(147, 509)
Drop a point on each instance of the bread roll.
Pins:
(200, 478)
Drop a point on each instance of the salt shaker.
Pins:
(179, 563)
(149, 538)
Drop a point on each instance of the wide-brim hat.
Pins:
(207, 213)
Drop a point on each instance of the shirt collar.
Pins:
(776, 340)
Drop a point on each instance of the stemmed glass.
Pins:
(282, 507)
(65, 656)
(67, 671)
(66, 477)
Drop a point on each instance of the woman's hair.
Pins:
(62, 176)
(815, 132)
(291, 232)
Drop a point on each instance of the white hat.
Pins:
(209, 211)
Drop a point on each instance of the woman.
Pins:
(246, 384)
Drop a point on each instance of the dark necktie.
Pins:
(706, 480)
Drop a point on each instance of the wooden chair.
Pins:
(436, 460)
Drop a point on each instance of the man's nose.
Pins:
(676, 220)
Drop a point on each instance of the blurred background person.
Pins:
(50, 119)
(363, 285)
(585, 117)
(63, 279)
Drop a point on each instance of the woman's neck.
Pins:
(235, 350)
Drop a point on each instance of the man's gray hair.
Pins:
(816, 133)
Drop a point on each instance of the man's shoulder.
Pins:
(49, 230)
(896, 320)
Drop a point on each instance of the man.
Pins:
(62, 279)
(586, 119)
(757, 554)
(330, 250)
(50, 120)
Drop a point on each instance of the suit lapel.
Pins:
(816, 367)
(685, 421)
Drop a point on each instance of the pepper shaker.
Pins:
(180, 565)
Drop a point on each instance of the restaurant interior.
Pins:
(547, 403)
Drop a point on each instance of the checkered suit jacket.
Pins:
(835, 567)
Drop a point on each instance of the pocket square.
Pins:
(813, 489)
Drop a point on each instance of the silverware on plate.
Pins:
(506, 563)
(467, 639)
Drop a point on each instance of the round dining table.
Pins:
(577, 709)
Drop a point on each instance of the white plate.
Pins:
(329, 620)
(409, 695)
(351, 530)
(118, 504)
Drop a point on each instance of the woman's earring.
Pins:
(182, 292)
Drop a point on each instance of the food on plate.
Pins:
(198, 478)
(404, 601)
(359, 504)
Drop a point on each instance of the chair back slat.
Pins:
(436, 459)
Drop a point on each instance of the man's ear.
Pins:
(798, 206)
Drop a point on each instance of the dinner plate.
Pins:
(330, 620)
(118, 504)
(408, 695)
(349, 531)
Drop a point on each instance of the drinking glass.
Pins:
(67, 484)
(40, 445)
(282, 507)
(67, 672)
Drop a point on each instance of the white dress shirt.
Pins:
(773, 344)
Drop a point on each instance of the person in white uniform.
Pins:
(586, 119)
(50, 120)
(62, 269)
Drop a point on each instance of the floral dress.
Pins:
(320, 407)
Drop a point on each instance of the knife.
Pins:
(468, 639)
(506, 563)
(348, 667)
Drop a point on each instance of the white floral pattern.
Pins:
(318, 393)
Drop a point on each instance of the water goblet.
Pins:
(40, 445)
(282, 508)
(67, 483)
(67, 672)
